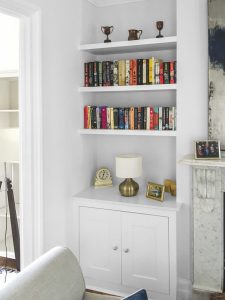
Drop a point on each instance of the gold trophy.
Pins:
(159, 25)
(107, 30)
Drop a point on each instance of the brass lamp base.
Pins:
(128, 188)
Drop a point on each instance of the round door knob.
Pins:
(115, 248)
(126, 250)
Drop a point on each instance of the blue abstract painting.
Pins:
(216, 33)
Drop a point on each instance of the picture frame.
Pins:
(155, 191)
(207, 149)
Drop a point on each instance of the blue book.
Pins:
(139, 295)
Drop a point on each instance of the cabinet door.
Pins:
(100, 244)
(145, 253)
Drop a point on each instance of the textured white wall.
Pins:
(192, 56)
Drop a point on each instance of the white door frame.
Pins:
(30, 124)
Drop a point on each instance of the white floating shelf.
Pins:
(154, 44)
(9, 110)
(127, 132)
(130, 88)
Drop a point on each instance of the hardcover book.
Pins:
(108, 113)
(156, 118)
(116, 117)
(112, 117)
(152, 70)
(93, 118)
(126, 118)
(103, 117)
(166, 72)
(139, 118)
(115, 73)
(144, 77)
(139, 71)
(135, 118)
(134, 68)
(122, 72)
(121, 118)
(131, 117)
(127, 72)
(151, 118)
(98, 117)
(100, 73)
(86, 74)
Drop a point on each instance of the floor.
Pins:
(200, 296)
(6, 277)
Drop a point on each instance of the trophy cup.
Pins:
(107, 30)
(159, 25)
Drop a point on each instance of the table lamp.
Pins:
(128, 166)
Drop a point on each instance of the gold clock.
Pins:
(103, 178)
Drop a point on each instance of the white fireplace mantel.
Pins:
(208, 206)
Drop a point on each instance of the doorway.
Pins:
(9, 140)
(30, 125)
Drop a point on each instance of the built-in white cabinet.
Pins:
(125, 244)
(125, 248)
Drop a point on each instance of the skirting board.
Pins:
(102, 3)
(184, 289)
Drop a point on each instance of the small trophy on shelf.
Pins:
(107, 30)
(159, 25)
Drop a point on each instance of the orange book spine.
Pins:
(131, 117)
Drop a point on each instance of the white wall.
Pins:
(192, 57)
(62, 160)
(68, 158)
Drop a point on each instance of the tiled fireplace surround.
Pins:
(208, 207)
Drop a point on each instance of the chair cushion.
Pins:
(56, 275)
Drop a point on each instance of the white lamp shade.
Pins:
(128, 166)
(9, 145)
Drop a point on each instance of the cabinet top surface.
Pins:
(111, 195)
(152, 44)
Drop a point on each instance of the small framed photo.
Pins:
(208, 149)
(155, 191)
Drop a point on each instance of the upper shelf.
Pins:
(154, 44)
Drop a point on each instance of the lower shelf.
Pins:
(127, 132)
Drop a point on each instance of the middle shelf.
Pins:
(134, 88)
(169, 133)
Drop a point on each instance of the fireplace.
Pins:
(208, 223)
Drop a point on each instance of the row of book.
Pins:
(129, 72)
(146, 118)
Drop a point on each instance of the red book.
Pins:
(151, 118)
(172, 73)
(86, 73)
(86, 116)
(161, 77)
(134, 73)
(104, 117)
(131, 72)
